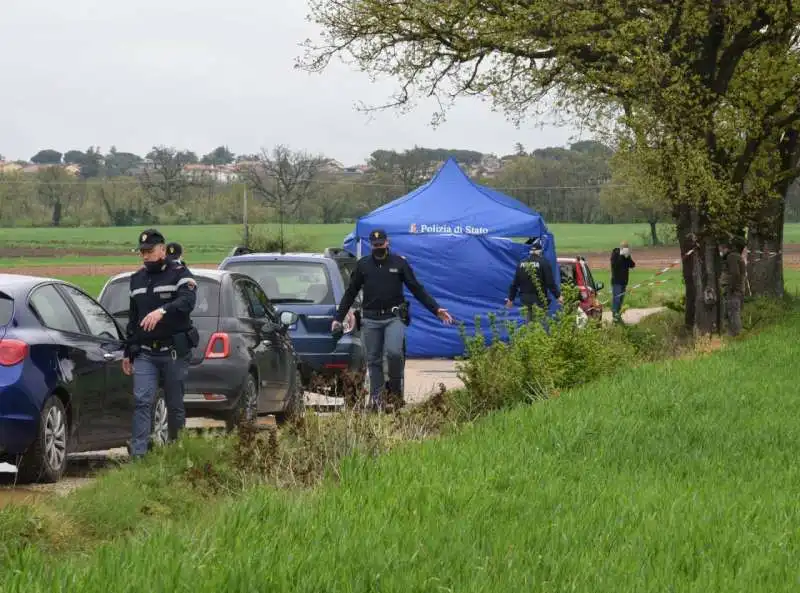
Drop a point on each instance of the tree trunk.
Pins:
(765, 253)
(654, 232)
(699, 271)
(765, 236)
(57, 211)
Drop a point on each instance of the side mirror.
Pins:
(288, 318)
(599, 285)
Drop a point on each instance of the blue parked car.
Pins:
(62, 389)
(312, 286)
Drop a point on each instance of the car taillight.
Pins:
(12, 352)
(219, 346)
(349, 323)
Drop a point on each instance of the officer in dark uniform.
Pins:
(532, 276)
(382, 275)
(160, 337)
(175, 253)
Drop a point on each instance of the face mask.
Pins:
(153, 266)
(625, 251)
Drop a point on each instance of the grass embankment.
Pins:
(672, 476)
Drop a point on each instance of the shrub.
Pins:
(538, 360)
(270, 242)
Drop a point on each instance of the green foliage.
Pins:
(539, 359)
(274, 241)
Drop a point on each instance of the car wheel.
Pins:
(246, 408)
(295, 400)
(46, 459)
(160, 432)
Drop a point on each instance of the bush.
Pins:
(540, 359)
(270, 242)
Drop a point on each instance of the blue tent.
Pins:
(457, 235)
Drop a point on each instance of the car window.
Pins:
(567, 273)
(288, 281)
(6, 309)
(589, 279)
(116, 297)
(241, 302)
(52, 310)
(346, 270)
(259, 302)
(99, 322)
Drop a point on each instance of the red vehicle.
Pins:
(575, 271)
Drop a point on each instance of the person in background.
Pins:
(535, 282)
(732, 281)
(175, 253)
(621, 264)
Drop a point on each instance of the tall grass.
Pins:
(669, 477)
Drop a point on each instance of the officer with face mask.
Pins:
(382, 275)
(159, 337)
(534, 280)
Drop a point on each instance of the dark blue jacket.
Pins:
(174, 289)
(382, 281)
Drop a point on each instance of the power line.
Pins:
(198, 185)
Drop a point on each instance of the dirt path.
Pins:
(654, 258)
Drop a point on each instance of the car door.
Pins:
(81, 362)
(116, 413)
(275, 336)
(250, 330)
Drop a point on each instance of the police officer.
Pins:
(160, 337)
(382, 275)
(532, 276)
(175, 253)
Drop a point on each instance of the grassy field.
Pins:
(210, 243)
(679, 476)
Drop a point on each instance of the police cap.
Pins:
(174, 251)
(150, 238)
(378, 237)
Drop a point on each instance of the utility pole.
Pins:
(244, 217)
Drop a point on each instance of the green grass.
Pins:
(210, 243)
(672, 477)
(652, 296)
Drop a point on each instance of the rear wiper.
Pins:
(292, 300)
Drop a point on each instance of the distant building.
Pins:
(218, 173)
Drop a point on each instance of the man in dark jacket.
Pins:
(382, 275)
(732, 281)
(535, 282)
(621, 264)
(159, 337)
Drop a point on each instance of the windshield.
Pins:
(6, 309)
(116, 298)
(289, 282)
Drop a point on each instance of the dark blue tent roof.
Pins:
(452, 203)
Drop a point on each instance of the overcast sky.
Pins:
(196, 74)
